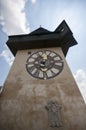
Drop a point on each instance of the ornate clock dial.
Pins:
(44, 64)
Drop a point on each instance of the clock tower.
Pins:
(40, 92)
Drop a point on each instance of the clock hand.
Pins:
(44, 56)
(43, 62)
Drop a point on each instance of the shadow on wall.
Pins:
(1, 88)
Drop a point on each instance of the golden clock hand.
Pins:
(44, 56)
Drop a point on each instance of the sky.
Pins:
(23, 16)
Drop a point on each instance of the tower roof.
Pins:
(40, 31)
(42, 38)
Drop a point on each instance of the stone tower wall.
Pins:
(26, 102)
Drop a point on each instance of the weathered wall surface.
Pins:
(23, 101)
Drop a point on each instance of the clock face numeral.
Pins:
(44, 75)
(36, 74)
(31, 69)
(44, 64)
(57, 67)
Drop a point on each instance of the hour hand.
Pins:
(43, 62)
(44, 56)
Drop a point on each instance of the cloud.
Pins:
(13, 17)
(7, 56)
(33, 1)
(80, 78)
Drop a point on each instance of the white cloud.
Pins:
(7, 56)
(13, 17)
(2, 20)
(80, 78)
(33, 1)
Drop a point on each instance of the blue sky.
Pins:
(24, 16)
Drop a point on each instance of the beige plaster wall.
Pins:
(23, 101)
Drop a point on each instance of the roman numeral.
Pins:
(31, 68)
(45, 75)
(57, 67)
(36, 74)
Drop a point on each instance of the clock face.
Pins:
(44, 64)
